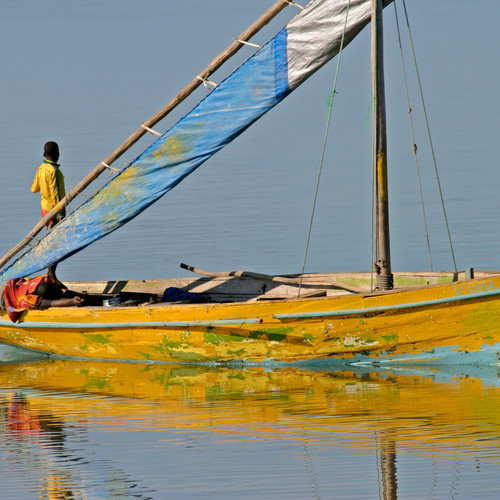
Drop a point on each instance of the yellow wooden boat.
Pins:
(430, 317)
(452, 322)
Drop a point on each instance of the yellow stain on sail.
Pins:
(118, 189)
(173, 147)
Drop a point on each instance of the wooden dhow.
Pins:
(260, 320)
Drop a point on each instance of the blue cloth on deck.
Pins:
(173, 294)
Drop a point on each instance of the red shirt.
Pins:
(19, 295)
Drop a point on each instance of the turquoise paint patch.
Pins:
(239, 353)
(166, 343)
(98, 383)
(97, 338)
(393, 337)
(211, 337)
(272, 334)
(189, 356)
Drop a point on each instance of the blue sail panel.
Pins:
(253, 89)
(308, 41)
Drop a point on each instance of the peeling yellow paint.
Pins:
(465, 325)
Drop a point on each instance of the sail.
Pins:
(305, 44)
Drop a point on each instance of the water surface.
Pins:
(117, 430)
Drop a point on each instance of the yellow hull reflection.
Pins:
(455, 416)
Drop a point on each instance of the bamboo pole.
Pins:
(259, 276)
(183, 94)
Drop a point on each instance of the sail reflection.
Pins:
(381, 413)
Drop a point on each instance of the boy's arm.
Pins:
(35, 187)
(74, 301)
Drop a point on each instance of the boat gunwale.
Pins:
(239, 321)
(396, 307)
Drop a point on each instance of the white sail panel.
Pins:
(315, 36)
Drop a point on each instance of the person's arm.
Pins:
(74, 301)
(35, 187)
(45, 304)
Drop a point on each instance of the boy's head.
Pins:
(48, 290)
(51, 151)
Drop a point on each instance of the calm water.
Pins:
(86, 74)
(111, 430)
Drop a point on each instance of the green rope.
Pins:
(330, 99)
(430, 138)
(414, 145)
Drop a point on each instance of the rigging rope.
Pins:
(429, 136)
(414, 145)
(329, 106)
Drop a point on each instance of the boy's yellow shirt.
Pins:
(49, 181)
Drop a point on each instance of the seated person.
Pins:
(42, 292)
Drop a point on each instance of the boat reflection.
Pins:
(35, 443)
(439, 414)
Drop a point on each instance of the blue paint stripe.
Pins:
(138, 324)
(398, 307)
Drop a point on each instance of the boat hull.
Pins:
(449, 323)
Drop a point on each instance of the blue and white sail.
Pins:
(305, 44)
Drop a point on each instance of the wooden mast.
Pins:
(388, 469)
(384, 279)
(153, 120)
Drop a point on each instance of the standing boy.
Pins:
(49, 181)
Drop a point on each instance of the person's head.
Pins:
(51, 151)
(48, 290)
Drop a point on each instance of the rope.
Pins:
(112, 170)
(372, 228)
(414, 145)
(243, 42)
(206, 82)
(289, 2)
(150, 130)
(430, 138)
(330, 106)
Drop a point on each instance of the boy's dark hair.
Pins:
(51, 150)
(49, 291)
